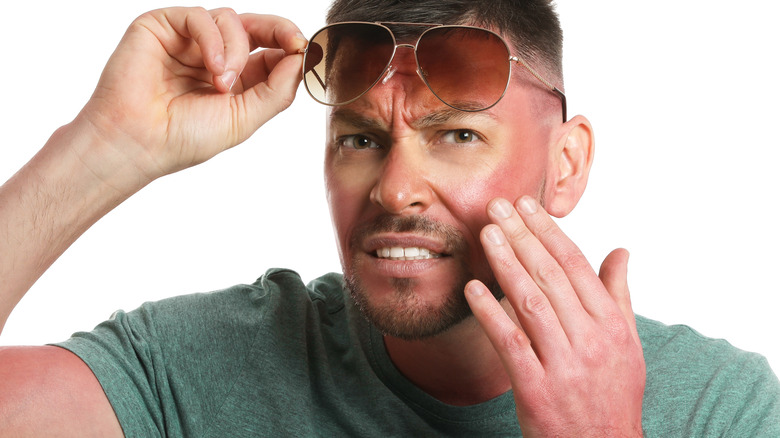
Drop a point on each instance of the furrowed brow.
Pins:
(354, 119)
(449, 116)
(445, 116)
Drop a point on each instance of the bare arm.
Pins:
(49, 391)
(180, 88)
(162, 104)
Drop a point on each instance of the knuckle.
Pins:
(515, 340)
(224, 14)
(226, 11)
(546, 229)
(548, 273)
(574, 262)
(595, 350)
(616, 326)
(535, 304)
(156, 17)
(518, 232)
(198, 10)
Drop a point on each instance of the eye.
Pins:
(460, 136)
(359, 142)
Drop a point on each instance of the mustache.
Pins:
(453, 238)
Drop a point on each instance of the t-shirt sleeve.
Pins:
(753, 396)
(126, 363)
(698, 386)
(166, 367)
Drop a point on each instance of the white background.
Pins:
(682, 94)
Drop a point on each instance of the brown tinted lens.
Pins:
(466, 68)
(344, 61)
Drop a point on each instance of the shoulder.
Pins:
(701, 385)
(277, 288)
(682, 347)
(192, 350)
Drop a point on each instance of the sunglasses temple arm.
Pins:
(547, 84)
(563, 102)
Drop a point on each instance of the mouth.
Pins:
(408, 253)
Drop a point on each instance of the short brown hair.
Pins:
(532, 26)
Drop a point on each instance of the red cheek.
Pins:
(509, 181)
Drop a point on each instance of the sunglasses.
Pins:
(467, 68)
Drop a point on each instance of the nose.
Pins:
(402, 186)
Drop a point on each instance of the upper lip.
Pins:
(403, 240)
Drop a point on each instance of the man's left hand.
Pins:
(572, 353)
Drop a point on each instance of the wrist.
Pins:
(107, 155)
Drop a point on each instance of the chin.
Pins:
(405, 309)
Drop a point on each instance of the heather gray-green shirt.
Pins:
(281, 358)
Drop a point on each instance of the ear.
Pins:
(570, 161)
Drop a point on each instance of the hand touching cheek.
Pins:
(575, 359)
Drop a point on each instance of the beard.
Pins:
(406, 314)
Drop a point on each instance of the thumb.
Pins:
(269, 97)
(614, 275)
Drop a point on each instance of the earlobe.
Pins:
(572, 156)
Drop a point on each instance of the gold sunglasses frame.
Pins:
(431, 26)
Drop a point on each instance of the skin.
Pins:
(134, 129)
(564, 338)
(388, 154)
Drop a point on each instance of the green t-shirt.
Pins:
(280, 358)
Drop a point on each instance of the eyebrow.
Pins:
(444, 116)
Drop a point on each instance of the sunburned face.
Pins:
(408, 180)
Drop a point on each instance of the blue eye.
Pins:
(359, 142)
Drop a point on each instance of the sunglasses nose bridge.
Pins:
(401, 61)
(395, 60)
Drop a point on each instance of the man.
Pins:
(403, 170)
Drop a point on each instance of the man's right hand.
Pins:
(182, 87)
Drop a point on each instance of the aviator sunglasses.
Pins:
(467, 68)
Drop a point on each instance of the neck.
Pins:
(459, 367)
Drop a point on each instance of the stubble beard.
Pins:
(406, 314)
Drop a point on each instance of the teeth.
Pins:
(412, 253)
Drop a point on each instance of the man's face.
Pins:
(408, 180)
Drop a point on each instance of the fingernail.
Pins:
(502, 208)
(494, 235)
(527, 205)
(475, 289)
(229, 79)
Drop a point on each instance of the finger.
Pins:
(188, 25)
(614, 274)
(542, 267)
(271, 77)
(534, 312)
(269, 31)
(268, 98)
(260, 66)
(236, 47)
(573, 265)
(509, 340)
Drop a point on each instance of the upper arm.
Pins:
(49, 391)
